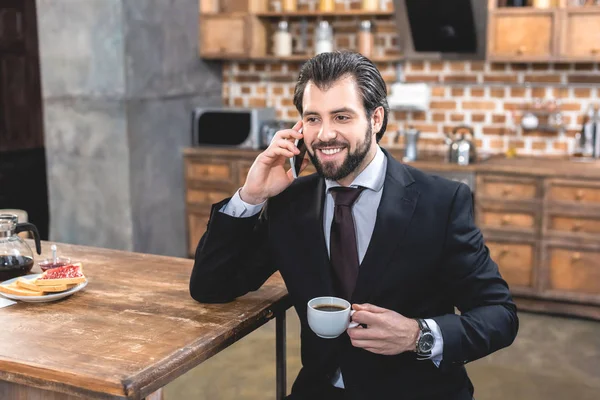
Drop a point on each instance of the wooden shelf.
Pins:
(314, 14)
(294, 58)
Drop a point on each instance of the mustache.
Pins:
(334, 143)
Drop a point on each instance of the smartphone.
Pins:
(296, 161)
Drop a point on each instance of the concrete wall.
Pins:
(119, 81)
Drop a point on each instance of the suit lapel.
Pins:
(398, 203)
(309, 220)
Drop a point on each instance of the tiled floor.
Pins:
(552, 359)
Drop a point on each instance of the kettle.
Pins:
(461, 149)
(16, 257)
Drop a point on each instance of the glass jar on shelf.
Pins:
(282, 40)
(366, 40)
(370, 5)
(290, 5)
(323, 38)
(326, 5)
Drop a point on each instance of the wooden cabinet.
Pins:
(528, 34)
(540, 224)
(232, 35)
(522, 35)
(580, 34)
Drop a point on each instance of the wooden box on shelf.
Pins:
(232, 35)
(232, 6)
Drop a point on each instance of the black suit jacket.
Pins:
(426, 257)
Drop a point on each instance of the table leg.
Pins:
(280, 355)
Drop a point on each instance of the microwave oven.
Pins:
(232, 127)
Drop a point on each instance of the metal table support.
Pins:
(280, 354)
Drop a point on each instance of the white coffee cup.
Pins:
(329, 324)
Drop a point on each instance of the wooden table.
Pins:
(131, 331)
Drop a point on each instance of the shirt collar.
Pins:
(372, 177)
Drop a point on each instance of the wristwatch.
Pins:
(425, 341)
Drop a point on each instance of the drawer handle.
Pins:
(595, 51)
(506, 191)
(576, 257)
(506, 219)
(577, 226)
(521, 50)
(579, 195)
(503, 251)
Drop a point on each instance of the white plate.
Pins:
(40, 299)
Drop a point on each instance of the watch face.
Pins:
(426, 342)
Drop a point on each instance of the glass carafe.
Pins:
(16, 257)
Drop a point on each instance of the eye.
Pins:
(342, 118)
(311, 120)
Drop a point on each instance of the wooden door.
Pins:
(20, 93)
(22, 155)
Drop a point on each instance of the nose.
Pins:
(326, 133)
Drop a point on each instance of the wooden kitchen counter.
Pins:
(562, 167)
(540, 217)
(132, 330)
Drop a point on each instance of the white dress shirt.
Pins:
(364, 212)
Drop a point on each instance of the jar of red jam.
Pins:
(50, 263)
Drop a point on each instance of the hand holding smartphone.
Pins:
(296, 161)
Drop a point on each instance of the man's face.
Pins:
(336, 131)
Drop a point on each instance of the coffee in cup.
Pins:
(329, 316)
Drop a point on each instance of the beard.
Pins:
(329, 170)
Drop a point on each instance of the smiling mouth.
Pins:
(330, 152)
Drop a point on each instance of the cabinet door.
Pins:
(520, 36)
(516, 262)
(580, 34)
(572, 272)
(232, 35)
(223, 35)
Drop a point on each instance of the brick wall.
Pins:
(487, 96)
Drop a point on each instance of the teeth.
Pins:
(331, 151)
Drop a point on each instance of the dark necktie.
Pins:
(342, 241)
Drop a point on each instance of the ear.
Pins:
(377, 119)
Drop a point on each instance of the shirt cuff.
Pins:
(438, 348)
(236, 207)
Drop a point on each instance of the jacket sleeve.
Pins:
(232, 257)
(488, 320)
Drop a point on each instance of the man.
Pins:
(399, 244)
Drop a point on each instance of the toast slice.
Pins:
(67, 275)
(28, 284)
(19, 291)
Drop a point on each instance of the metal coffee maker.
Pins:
(461, 148)
(411, 137)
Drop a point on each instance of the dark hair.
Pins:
(327, 68)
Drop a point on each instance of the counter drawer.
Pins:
(209, 172)
(197, 222)
(521, 221)
(573, 192)
(502, 187)
(567, 225)
(575, 270)
(515, 261)
(206, 196)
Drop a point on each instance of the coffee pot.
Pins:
(461, 149)
(16, 257)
